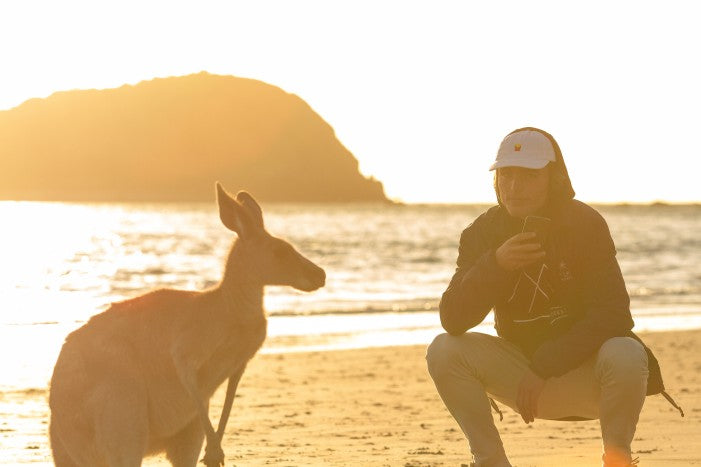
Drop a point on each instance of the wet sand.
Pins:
(379, 407)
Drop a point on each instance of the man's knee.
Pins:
(622, 356)
(438, 354)
(447, 352)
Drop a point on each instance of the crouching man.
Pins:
(546, 264)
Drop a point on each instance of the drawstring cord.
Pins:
(671, 401)
(496, 409)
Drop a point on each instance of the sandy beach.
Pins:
(378, 407)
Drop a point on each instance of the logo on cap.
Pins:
(517, 147)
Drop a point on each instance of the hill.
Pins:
(169, 139)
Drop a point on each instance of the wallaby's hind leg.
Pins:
(122, 424)
(60, 455)
(71, 430)
(183, 449)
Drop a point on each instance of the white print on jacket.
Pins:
(540, 289)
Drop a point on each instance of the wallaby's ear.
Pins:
(252, 207)
(232, 214)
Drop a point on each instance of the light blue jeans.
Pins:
(609, 386)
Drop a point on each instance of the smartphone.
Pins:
(539, 225)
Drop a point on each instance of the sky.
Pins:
(420, 92)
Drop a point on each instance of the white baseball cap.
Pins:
(527, 148)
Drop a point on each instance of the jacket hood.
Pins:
(560, 184)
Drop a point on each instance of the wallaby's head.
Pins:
(271, 259)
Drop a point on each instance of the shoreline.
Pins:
(378, 406)
(30, 368)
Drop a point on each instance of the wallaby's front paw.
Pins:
(213, 456)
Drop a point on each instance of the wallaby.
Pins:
(136, 379)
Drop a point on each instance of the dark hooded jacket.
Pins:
(583, 303)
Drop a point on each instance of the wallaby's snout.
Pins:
(321, 277)
(286, 266)
(315, 278)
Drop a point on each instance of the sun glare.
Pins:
(40, 244)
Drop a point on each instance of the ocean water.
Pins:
(386, 269)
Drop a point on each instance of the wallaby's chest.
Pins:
(240, 345)
(172, 407)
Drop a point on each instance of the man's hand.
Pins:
(529, 390)
(519, 251)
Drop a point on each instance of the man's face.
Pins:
(523, 191)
